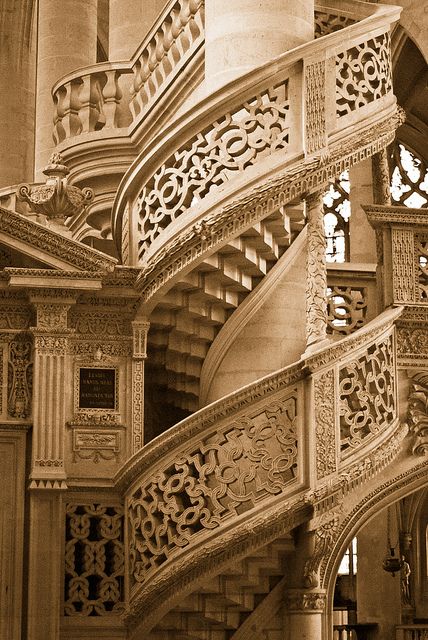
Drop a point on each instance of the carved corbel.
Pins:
(324, 529)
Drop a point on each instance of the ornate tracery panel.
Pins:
(337, 211)
(409, 180)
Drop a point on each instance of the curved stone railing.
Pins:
(248, 454)
(115, 94)
(251, 132)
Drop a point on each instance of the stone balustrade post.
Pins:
(48, 473)
(140, 329)
(316, 272)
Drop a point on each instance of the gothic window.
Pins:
(409, 182)
(348, 564)
(337, 211)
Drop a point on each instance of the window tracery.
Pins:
(337, 211)
(409, 180)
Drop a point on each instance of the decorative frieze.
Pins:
(90, 444)
(228, 471)
(94, 560)
(367, 395)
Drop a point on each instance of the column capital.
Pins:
(304, 601)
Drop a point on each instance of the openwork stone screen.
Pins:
(225, 474)
(225, 148)
(367, 395)
(363, 74)
(409, 183)
(346, 309)
(94, 560)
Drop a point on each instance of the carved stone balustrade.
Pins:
(189, 192)
(402, 247)
(116, 94)
(247, 453)
(411, 632)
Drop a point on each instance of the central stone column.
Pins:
(130, 21)
(243, 34)
(67, 40)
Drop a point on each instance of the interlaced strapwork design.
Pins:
(346, 309)
(367, 395)
(223, 475)
(94, 560)
(228, 146)
(363, 74)
(326, 23)
(409, 183)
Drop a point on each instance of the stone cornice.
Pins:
(388, 215)
(53, 279)
(48, 246)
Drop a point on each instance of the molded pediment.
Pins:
(27, 244)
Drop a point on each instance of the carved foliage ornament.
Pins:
(316, 279)
(228, 146)
(225, 474)
(363, 74)
(325, 424)
(20, 377)
(94, 560)
(367, 395)
(417, 413)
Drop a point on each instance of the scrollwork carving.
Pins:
(325, 529)
(227, 473)
(346, 309)
(316, 278)
(94, 560)
(417, 413)
(363, 74)
(367, 395)
(228, 146)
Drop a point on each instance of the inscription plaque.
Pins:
(97, 388)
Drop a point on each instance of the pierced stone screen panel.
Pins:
(226, 474)
(363, 74)
(94, 560)
(367, 395)
(229, 145)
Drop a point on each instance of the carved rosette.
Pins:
(316, 283)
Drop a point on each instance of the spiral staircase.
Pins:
(244, 506)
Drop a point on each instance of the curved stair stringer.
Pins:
(250, 309)
(237, 556)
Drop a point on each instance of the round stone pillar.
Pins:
(17, 85)
(243, 34)
(130, 21)
(67, 40)
(304, 614)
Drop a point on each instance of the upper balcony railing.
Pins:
(306, 102)
(114, 95)
(248, 454)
